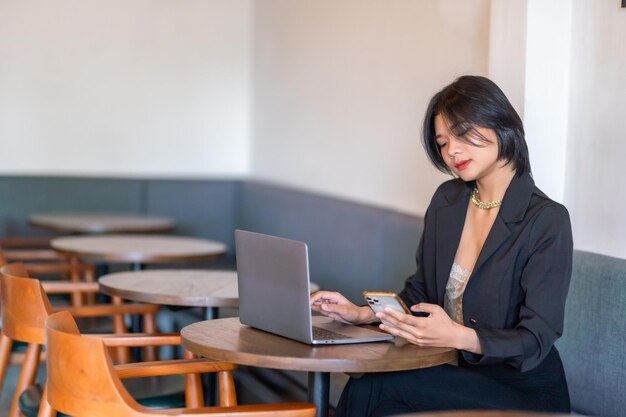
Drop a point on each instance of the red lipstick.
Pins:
(461, 165)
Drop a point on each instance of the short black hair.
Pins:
(474, 101)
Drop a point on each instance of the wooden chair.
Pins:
(52, 267)
(25, 307)
(48, 264)
(29, 248)
(83, 382)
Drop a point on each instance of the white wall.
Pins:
(547, 86)
(507, 49)
(574, 106)
(596, 158)
(340, 89)
(118, 87)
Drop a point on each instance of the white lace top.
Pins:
(453, 300)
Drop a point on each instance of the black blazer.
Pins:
(515, 297)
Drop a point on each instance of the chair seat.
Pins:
(156, 393)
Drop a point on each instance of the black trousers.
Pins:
(463, 387)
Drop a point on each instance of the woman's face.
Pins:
(471, 157)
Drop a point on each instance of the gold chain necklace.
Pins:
(480, 204)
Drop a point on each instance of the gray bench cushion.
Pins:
(401, 236)
(593, 345)
(344, 238)
(206, 209)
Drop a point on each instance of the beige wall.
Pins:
(118, 87)
(507, 49)
(340, 89)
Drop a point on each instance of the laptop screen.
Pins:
(273, 279)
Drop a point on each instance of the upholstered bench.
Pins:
(593, 345)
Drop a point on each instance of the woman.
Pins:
(493, 270)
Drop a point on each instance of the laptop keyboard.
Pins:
(324, 334)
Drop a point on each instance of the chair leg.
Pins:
(5, 355)
(27, 376)
(45, 409)
(151, 353)
(194, 396)
(77, 296)
(122, 354)
(90, 276)
(228, 396)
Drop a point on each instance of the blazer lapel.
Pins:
(516, 201)
(450, 221)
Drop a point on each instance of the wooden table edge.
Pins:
(158, 299)
(136, 258)
(105, 230)
(310, 364)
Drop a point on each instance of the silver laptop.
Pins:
(274, 288)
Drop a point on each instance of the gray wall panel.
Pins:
(22, 196)
(344, 238)
(401, 237)
(206, 209)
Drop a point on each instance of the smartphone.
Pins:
(378, 300)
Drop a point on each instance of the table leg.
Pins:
(136, 321)
(210, 379)
(138, 266)
(102, 269)
(319, 387)
(210, 313)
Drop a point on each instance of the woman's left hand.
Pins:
(437, 330)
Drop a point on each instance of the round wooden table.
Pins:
(228, 340)
(139, 249)
(210, 289)
(95, 223)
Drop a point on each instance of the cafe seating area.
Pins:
(143, 139)
(352, 246)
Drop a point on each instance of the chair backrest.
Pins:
(25, 305)
(3, 257)
(82, 381)
(81, 378)
(14, 250)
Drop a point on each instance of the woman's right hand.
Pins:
(337, 307)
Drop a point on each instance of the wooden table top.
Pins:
(139, 248)
(228, 340)
(93, 223)
(180, 287)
